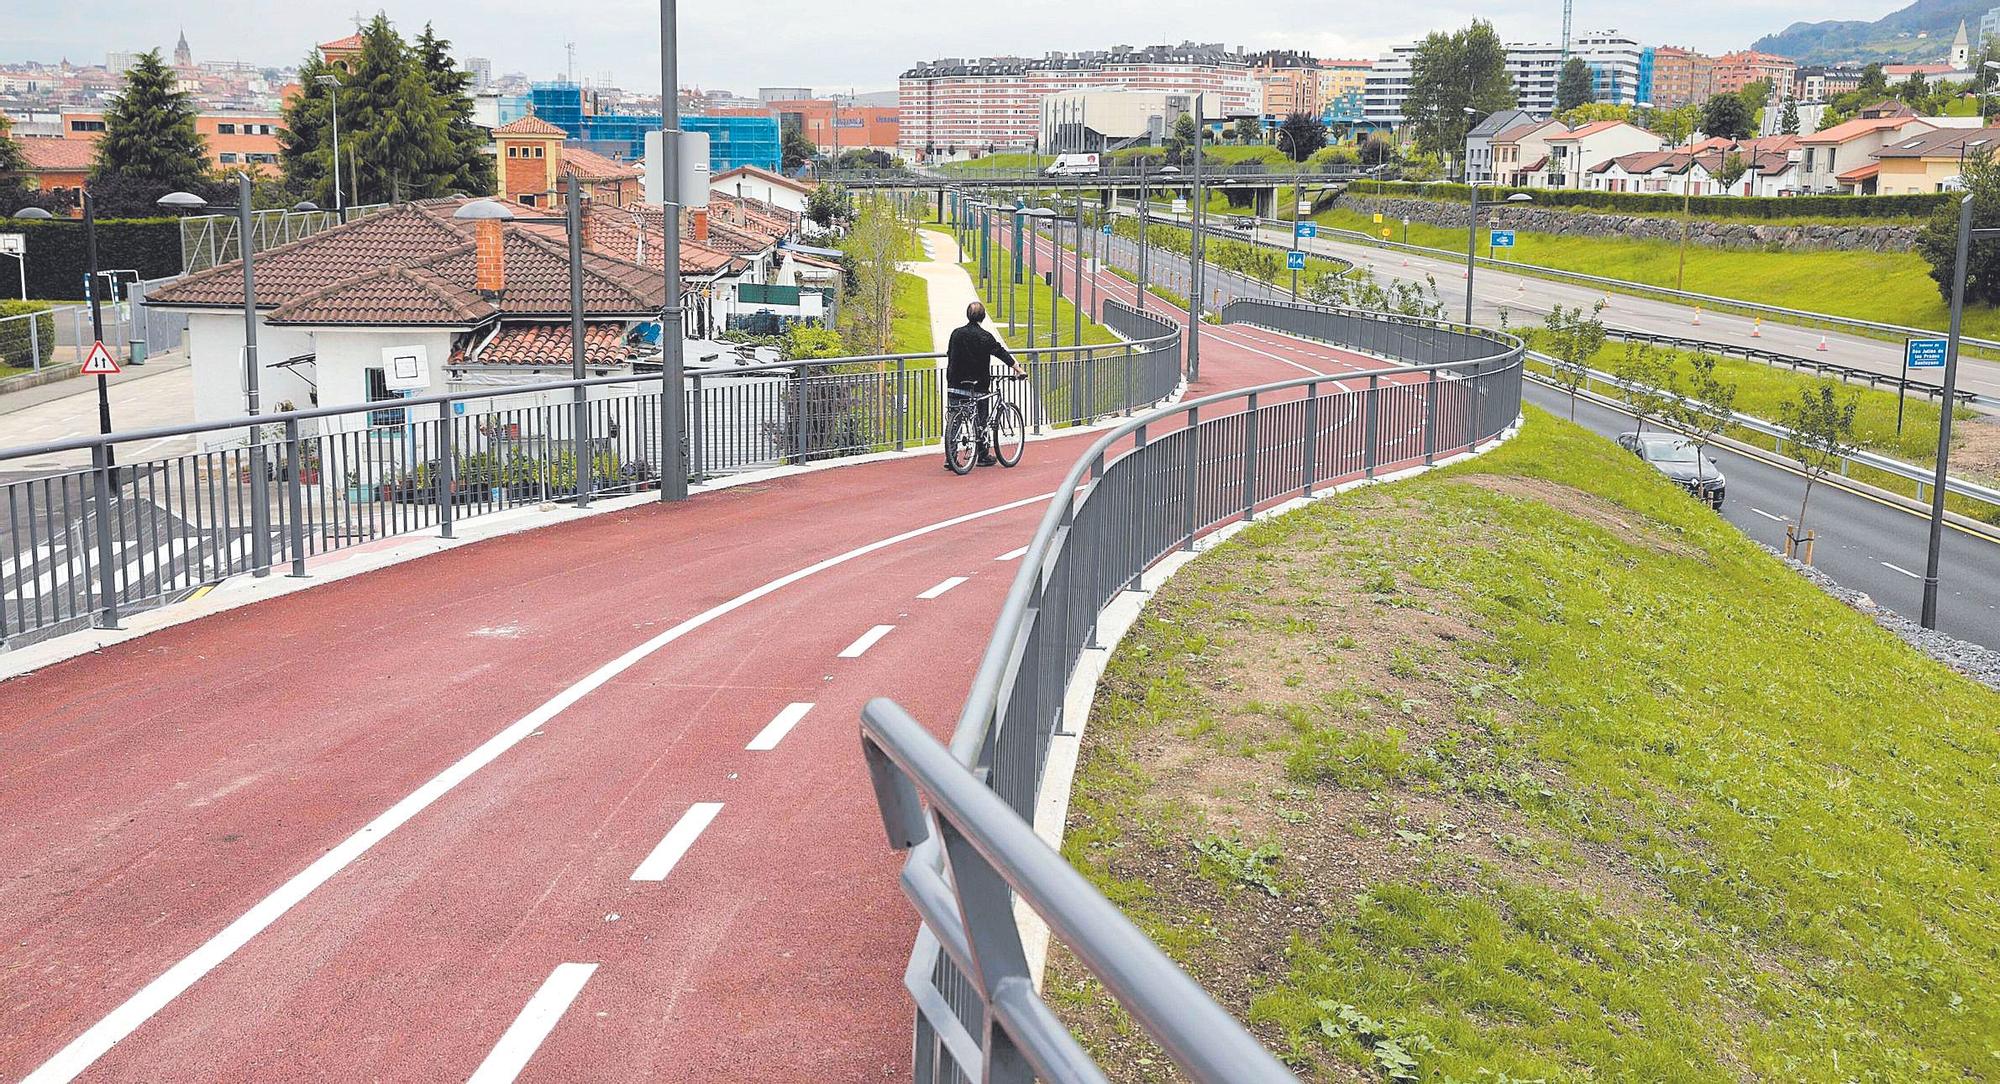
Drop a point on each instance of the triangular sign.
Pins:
(100, 362)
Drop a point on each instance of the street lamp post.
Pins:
(673, 471)
(333, 96)
(1472, 239)
(93, 287)
(1195, 249)
(1019, 226)
(1934, 554)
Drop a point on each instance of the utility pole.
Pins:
(1195, 252)
(673, 469)
(1934, 554)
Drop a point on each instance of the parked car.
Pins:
(1244, 223)
(1674, 456)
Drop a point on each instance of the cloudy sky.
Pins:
(861, 43)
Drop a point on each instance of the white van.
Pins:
(1073, 165)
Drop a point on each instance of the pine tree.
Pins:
(472, 169)
(402, 142)
(1788, 121)
(12, 162)
(305, 141)
(1573, 86)
(150, 146)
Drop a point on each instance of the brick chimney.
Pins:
(489, 258)
(700, 230)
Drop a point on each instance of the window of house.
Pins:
(228, 158)
(378, 392)
(86, 126)
(538, 152)
(225, 129)
(513, 152)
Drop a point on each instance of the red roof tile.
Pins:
(547, 345)
(529, 125)
(591, 166)
(58, 155)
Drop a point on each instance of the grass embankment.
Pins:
(1888, 287)
(1044, 297)
(1533, 768)
(910, 329)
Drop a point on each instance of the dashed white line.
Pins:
(943, 587)
(537, 1019)
(1012, 555)
(677, 841)
(781, 725)
(1901, 569)
(868, 639)
(1769, 516)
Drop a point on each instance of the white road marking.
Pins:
(677, 841)
(1901, 569)
(1012, 555)
(1769, 516)
(868, 639)
(943, 587)
(775, 731)
(100, 1037)
(510, 1055)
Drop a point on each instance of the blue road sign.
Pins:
(1503, 239)
(1105, 229)
(1296, 261)
(1305, 229)
(1924, 353)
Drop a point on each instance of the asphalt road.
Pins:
(1527, 298)
(1864, 543)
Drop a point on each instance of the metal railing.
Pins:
(93, 526)
(1146, 488)
(1846, 373)
(211, 240)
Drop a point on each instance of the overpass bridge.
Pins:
(584, 801)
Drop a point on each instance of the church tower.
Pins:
(184, 56)
(1961, 50)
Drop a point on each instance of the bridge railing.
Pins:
(1144, 489)
(93, 526)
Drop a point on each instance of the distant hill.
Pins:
(1890, 39)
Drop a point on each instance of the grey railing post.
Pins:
(297, 534)
(1430, 418)
(1188, 474)
(1312, 436)
(1145, 506)
(1076, 387)
(1370, 427)
(697, 437)
(107, 576)
(1250, 459)
(986, 905)
(260, 505)
(902, 403)
(1130, 354)
(446, 477)
(799, 413)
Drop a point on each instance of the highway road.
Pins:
(581, 803)
(1528, 298)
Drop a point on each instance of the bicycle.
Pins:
(1006, 430)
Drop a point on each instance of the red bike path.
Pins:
(165, 803)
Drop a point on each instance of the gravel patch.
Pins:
(1981, 664)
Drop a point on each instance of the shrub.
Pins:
(15, 338)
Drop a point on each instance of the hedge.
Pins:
(1916, 205)
(15, 339)
(58, 258)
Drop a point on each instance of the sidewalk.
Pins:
(12, 401)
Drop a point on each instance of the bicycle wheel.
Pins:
(1010, 433)
(960, 443)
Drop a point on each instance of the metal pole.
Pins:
(1195, 253)
(1932, 556)
(673, 472)
(260, 481)
(339, 200)
(92, 288)
(1145, 227)
(1471, 240)
(1055, 271)
(579, 402)
(1076, 265)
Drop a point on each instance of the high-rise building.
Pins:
(732, 140)
(955, 107)
(1386, 88)
(1989, 27)
(1734, 71)
(1621, 70)
(481, 70)
(1290, 81)
(1681, 77)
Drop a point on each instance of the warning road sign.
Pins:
(100, 362)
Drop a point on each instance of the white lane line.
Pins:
(86, 1048)
(868, 639)
(1013, 555)
(943, 587)
(1769, 516)
(510, 1055)
(678, 839)
(775, 731)
(1901, 569)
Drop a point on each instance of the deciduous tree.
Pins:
(1727, 116)
(1646, 382)
(1706, 407)
(1450, 74)
(1574, 340)
(1938, 242)
(1304, 135)
(1820, 423)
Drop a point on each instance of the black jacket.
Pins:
(969, 357)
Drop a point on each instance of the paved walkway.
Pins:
(582, 803)
(159, 393)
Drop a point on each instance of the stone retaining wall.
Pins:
(1857, 236)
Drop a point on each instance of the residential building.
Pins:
(481, 70)
(833, 124)
(57, 166)
(604, 181)
(1842, 158)
(1621, 71)
(1989, 26)
(1479, 143)
(955, 108)
(1681, 77)
(1100, 120)
(1387, 87)
(1521, 153)
(235, 140)
(1930, 161)
(1819, 83)
(764, 186)
(1289, 80)
(1341, 77)
(1734, 71)
(1572, 153)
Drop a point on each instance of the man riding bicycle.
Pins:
(968, 368)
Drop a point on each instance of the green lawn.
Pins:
(997, 306)
(1506, 773)
(1890, 287)
(910, 331)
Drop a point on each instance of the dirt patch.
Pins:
(1976, 448)
(1585, 506)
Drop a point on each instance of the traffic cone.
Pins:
(1822, 343)
(1697, 316)
(1757, 329)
